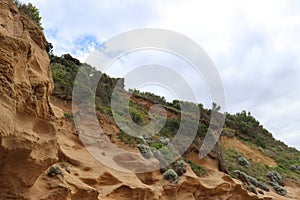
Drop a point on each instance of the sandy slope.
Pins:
(249, 153)
(292, 187)
(215, 176)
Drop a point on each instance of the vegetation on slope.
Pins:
(252, 133)
(30, 11)
(64, 70)
(240, 125)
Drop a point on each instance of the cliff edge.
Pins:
(27, 135)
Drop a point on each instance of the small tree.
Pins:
(31, 11)
(49, 48)
(216, 107)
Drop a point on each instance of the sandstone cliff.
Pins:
(27, 135)
(34, 136)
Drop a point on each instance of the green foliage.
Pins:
(263, 186)
(278, 189)
(156, 145)
(295, 168)
(241, 125)
(246, 179)
(170, 154)
(136, 116)
(128, 139)
(202, 130)
(31, 11)
(216, 107)
(252, 189)
(176, 104)
(54, 171)
(171, 127)
(197, 169)
(164, 141)
(150, 96)
(251, 132)
(49, 48)
(228, 132)
(171, 176)
(256, 170)
(145, 151)
(274, 176)
(243, 162)
(179, 167)
(64, 72)
(68, 115)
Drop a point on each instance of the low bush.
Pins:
(53, 171)
(128, 139)
(171, 176)
(275, 177)
(68, 115)
(197, 169)
(136, 116)
(164, 141)
(278, 189)
(295, 167)
(179, 167)
(242, 176)
(263, 186)
(30, 11)
(156, 145)
(252, 189)
(244, 162)
(145, 151)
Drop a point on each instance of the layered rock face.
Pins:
(27, 136)
(32, 139)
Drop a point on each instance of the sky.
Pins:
(254, 45)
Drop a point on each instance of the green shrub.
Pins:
(145, 151)
(295, 167)
(169, 153)
(197, 169)
(68, 115)
(202, 130)
(263, 186)
(156, 145)
(252, 189)
(179, 167)
(53, 171)
(278, 189)
(171, 176)
(136, 116)
(229, 132)
(275, 177)
(171, 127)
(164, 141)
(242, 176)
(150, 96)
(128, 139)
(243, 162)
(30, 11)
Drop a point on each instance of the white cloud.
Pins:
(254, 44)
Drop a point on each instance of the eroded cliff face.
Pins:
(34, 136)
(27, 135)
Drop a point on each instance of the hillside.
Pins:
(243, 137)
(43, 157)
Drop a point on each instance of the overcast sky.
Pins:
(255, 45)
